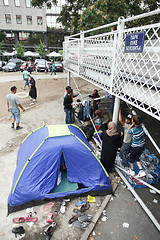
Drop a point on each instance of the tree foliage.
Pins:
(41, 49)
(79, 15)
(20, 49)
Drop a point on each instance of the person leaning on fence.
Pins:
(68, 102)
(126, 140)
(13, 107)
(137, 146)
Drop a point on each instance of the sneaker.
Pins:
(141, 174)
(131, 172)
(12, 125)
(19, 127)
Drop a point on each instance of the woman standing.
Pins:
(111, 141)
(33, 90)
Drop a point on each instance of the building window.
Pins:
(39, 20)
(29, 20)
(28, 3)
(17, 3)
(8, 18)
(6, 2)
(18, 19)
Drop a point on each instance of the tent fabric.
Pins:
(39, 159)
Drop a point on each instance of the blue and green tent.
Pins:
(38, 166)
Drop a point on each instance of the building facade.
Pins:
(53, 13)
(19, 15)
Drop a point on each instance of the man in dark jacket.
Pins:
(68, 102)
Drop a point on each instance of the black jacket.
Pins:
(67, 102)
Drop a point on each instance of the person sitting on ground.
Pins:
(26, 76)
(111, 141)
(13, 107)
(33, 90)
(137, 146)
(126, 140)
(104, 116)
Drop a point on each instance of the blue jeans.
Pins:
(124, 153)
(15, 114)
(69, 116)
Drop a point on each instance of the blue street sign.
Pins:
(134, 42)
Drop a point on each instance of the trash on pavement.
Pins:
(155, 201)
(152, 191)
(126, 225)
(105, 218)
(62, 209)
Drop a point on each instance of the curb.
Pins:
(98, 214)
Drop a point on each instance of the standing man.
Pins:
(53, 68)
(13, 107)
(26, 76)
(30, 66)
(68, 102)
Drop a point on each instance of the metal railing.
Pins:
(131, 76)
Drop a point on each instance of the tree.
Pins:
(102, 12)
(83, 14)
(41, 49)
(20, 49)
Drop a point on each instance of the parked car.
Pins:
(22, 67)
(12, 67)
(2, 63)
(42, 65)
(58, 67)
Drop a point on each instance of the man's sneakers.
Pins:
(12, 125)
(19, 127)
(131, 172)
(141, 174)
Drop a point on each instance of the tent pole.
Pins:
(148, 212)
(140, 180)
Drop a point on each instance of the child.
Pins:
(137, 146)
(126, 140)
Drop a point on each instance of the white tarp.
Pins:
(10, 53)
(54, 54)
(31, 54)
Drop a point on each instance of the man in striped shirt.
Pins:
(137, 146)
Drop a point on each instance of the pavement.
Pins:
(121, 208)
(9, 77)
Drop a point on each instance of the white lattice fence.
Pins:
(132, 77)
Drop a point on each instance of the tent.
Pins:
(38, 166)
(10, 53)
(54, 54)
(31, 54)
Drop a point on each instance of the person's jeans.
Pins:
(53, 71)
(15, 114)
(69, 116)
(124, 153)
